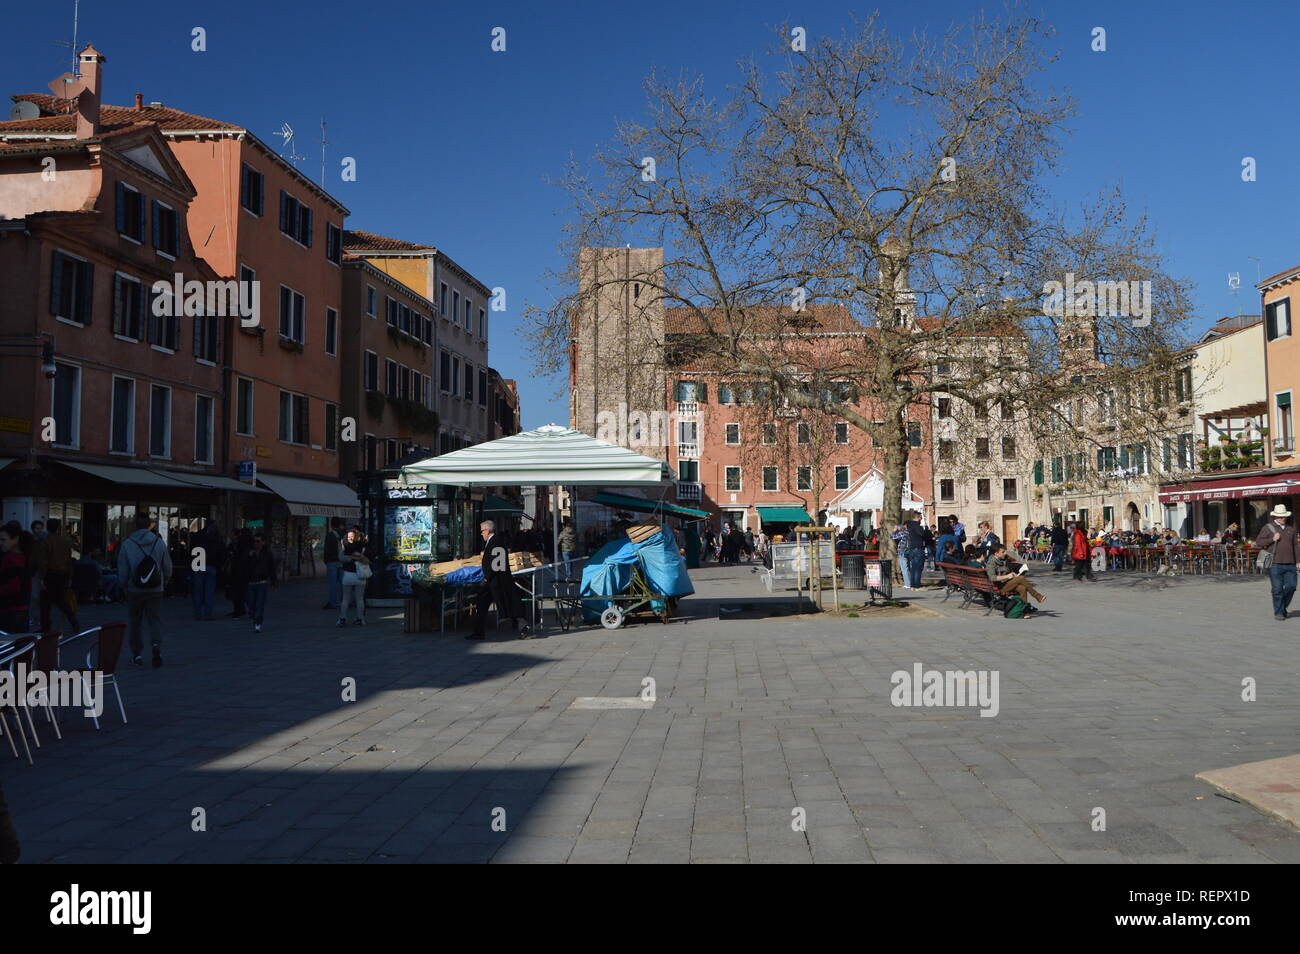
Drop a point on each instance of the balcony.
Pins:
(688, 409)
(688, 490)
(688, 451)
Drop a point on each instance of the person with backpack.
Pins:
(144, 565)
(1279, 541)
(208, 542)
(1009, 579)
(260, 572)
(356, 571)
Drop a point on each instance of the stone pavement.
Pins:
(1114, 698)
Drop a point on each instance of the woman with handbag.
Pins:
(356, 571)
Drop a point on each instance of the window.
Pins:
(331, 331)
(1183, 384)
(67, 405)
(983, 490)
(733, 434)
(947, 450)
(1058, 469)
(1283, 432)
(442, 299)
(333, 242)
(982, 448)
(770, 478)
(203, 408)
(372, 300)
(1008, 411)
(244, 407)
(482, 387)
(160, 421)
(295, 219)
(426, 329)
(1008, 488)
(913, 434)
(164, 330)
(803, 478)
(469, 381)
(122, 438)
(372, 452)
(370, 372)
(455, 306)
(251, 189)
(1106, 459)
(803, 433)
(688, 471)
(391, 311)
(726, 395)
(945, 408)
(130, 213)
(482, 323)
(841, 477)
(391, 453)
(769, 434)
(71, 286)
(947, 489)
(331, 427)
(390, 377)
(128, 308)
(404, 318)
(1038, 472)
(1186, 443)
(207, 340)
(455, 375)
(166, 229)
(293, 418)
(731, 479)
(1277, 319)
(293, 307)
(1008, 448)
(979, 410)
(444, 371)
(403, 382)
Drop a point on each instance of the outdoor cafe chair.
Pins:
(108, 647)
(20, 650)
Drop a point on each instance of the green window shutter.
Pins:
(1038, 472)
(56, 283)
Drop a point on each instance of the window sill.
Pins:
(244, 208)
(242, 434)
(166, 457)
(206, 362)
(127, 338)
(161, 350)
(166, 255)
(133, 241)
(69, 321)
(121, 453)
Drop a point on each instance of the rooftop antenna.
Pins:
(76, 65)
(323, 143)
(286, 133)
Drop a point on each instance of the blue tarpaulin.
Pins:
(609, 571)
(466, 574)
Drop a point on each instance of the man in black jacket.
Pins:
(498, 584)
(1060, 543)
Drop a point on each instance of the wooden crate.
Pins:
(641, 532)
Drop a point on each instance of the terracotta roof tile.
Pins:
(55, 119)
(370, 242)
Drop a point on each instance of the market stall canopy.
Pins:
(641, 505)
(547, 455)
(784, 515)
(313, 498)
(868, 493)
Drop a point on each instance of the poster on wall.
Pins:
(408, 533)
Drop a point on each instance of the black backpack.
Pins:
(147, 575)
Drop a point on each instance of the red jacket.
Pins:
(15, 583)
(1079, 549)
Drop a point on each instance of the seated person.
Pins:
(1004, 574)
(86, 577)
(950, 552)
(974, 556)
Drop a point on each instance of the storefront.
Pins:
(412, 525)
(296, 515)
(1213, 503)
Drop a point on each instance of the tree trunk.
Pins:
(895, 471)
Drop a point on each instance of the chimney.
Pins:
(89, 98)
(139, 102)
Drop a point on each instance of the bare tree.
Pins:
(902, 184)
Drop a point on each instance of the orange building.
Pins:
(1280, 296)
(112, 397)
(256, 220)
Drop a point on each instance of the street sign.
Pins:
(248, 471)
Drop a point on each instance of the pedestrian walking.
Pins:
(356, 571)
(568, 546)
(919, 542)
(1080, 553)
(15, 580)
(333, 566)
(54, 564)
(144, 565)
(237, 560)
(498, 585)
(1278, 540)
(1060, 541)
(210, 546)
(261, 577)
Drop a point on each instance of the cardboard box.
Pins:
(524, 561)
(640, 532)
(442, 569)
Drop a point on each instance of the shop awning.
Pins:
(784, 515)
(1232, 488)
(213, 481)
(139, 476)
(495, 504)
(868, 493)
(641, 505)
(550, 455)
(6, 461)
(313, 498)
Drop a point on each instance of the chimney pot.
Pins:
(90, 96)
(139, 101)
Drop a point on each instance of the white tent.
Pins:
(868, 493)
(554, 455)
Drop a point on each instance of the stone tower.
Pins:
(616, 348)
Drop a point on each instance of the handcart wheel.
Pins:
(611, 618)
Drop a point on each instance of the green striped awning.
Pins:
(784, 515)
(641, 505)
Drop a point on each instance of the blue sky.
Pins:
(454, 143)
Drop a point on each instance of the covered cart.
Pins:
(638, 572)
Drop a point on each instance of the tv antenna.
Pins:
(323, 143)
(286, 133)
(76, 65)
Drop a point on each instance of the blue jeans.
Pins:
(1058, 555)
(1284, 581)
(334, 578)
(257, 600)
(916, 561)
(905, 566)
(568, 563)
(205, 589)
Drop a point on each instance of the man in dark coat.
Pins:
(498, 584)
(1060, 543)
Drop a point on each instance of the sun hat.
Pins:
(1280, 511)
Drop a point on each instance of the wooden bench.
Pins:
(973, 583)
